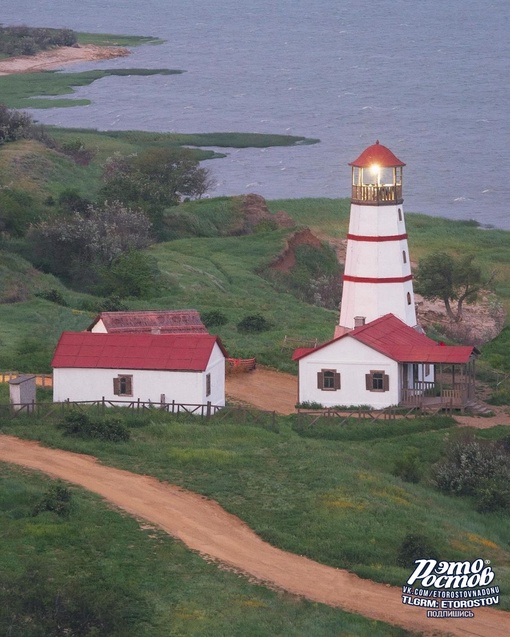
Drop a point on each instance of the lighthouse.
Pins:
(377, 277)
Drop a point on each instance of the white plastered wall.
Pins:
(353, 360)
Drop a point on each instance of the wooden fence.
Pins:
(41, 380)
(341, 416)
(240, 365)
(241, 415)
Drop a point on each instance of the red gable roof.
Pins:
(170, 352)
(393, 338)
(377, 154)
(166, 321)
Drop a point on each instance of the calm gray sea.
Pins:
(429, 79)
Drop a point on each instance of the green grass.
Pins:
(336, 501)
(29, 90)
(110, 39)
(110, 564)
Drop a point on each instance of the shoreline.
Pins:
(57, 58)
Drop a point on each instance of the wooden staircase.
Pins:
(478, 408)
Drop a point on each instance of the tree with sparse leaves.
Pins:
(452, 280)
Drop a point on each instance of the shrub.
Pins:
(415, 547)
(109, 428)
(478, 468)
(213, 318)
(54, 296)
(408, 466)
(254, 323)
(56, 499)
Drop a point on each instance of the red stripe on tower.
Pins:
(368, 279)
(393, 237)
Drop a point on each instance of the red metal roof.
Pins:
(166, 321)
(377, 154)
(393, 338)
(170, 352)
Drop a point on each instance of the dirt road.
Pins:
(206, 528)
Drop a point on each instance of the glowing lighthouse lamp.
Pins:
(377, 278)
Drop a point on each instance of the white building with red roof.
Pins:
(130, 366)
(385, 363)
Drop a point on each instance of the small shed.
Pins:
(22, 392)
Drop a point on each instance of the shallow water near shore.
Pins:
(429, 80)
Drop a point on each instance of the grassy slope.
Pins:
(143, 573)
(335, 501)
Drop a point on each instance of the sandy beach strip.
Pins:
(58, 58)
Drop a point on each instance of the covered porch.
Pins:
(440, 385)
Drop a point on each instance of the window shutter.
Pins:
(129, 385)
(368, 382)
(337, 380)
(116, 386)
(386, 382)
(320, 380)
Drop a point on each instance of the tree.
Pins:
(442, 276)
(76, 247)
(14, 125)
(157, 177)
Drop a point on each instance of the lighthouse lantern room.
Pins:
(377, 277)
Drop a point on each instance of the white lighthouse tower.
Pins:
(377, 278)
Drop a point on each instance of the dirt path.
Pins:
(205, 527)
(265, 389)
(61, 56)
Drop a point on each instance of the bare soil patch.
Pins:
(264, 389)
(206, 528)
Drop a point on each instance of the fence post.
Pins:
(173, 406)
(102, 405)
(208, 412)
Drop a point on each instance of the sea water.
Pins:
(429, 79)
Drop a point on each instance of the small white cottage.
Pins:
(385, 363)
(161, 368)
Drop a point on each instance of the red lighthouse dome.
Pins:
(377, 177)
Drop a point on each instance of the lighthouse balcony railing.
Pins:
(374, 194)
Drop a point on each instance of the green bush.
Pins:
(254, 323)
(54, 296)
(109, 428)
(213, 318)
(408, 466)
(415, 547)
(56, 499)
(479, 468)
